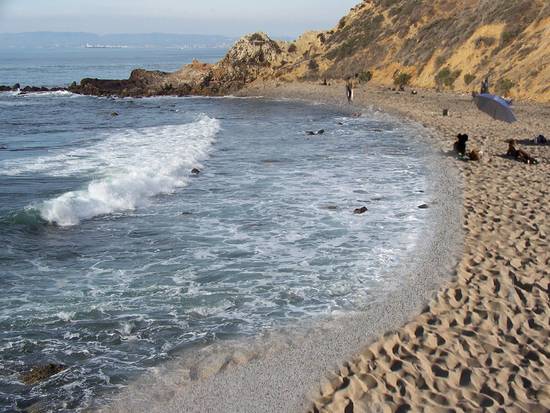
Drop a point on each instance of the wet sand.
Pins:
(482, 344)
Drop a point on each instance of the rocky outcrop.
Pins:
(252, 57)
(140, 83)
(29, 89)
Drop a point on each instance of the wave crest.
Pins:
(135, 165)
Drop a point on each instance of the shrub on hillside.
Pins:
(503, 86)
(468, 78)
(509, 36)
(256, 37)
(485, 41)
(401, 79)
(313, 65)
(365, 76)
(446, 77)
(440, 61)
(292, 48)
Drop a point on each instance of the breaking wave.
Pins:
(133, 166)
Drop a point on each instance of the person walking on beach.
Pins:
(350, 86)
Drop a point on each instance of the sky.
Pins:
(225, 17)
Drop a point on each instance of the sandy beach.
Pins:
(482, 343)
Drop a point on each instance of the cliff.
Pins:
(446, 44)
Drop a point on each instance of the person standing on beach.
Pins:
(485, 85)
(350, 87)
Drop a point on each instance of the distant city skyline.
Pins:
(282, 18)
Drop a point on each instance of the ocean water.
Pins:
(115, 258)
(53, 67)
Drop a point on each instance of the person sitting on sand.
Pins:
(460, 145)
(519, 154)
(541, 140)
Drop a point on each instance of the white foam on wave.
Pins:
(63, 93)
(133, 166)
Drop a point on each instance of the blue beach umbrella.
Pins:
(495, 107)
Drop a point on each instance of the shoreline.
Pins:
(482, 343)
(280, 372)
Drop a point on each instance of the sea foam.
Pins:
(133, 166)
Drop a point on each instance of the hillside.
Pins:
(505, 39)
(445, 44)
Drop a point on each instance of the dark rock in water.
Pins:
(5, 88)
(361, 210)
(3, 147)
(341, 123)
(16, 86)
(423, 206)
(28, 89)
(312, 133)
(320, 131)
(195, 171)
(114, 114)
(41, 373)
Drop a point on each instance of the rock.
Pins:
(312, 133)
(114, 114)
(195, 171)
(17, 86)
(3, 147)
(360, 211)
(41, 373)
(423, 206)
(445, 112)
(5, 88)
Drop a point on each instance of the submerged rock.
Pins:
(41, 373)
(360, 211)
(423, 206)
(195, 171)
(312, 133)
